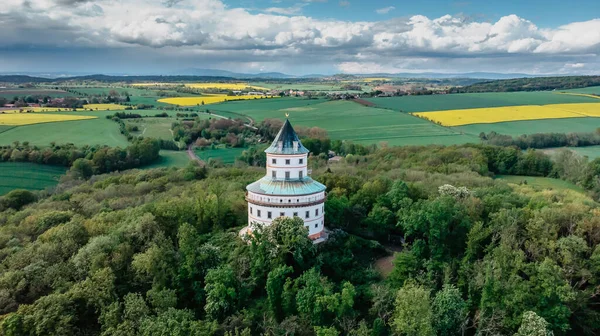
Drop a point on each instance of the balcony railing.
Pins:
(276, 202)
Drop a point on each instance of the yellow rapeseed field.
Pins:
(36, 109)
(99, 107)
(501, 114)
(104, 107)
(225, 86)
(191, 101)
(19, 119)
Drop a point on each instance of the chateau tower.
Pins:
(286, 189)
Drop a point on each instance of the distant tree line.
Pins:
(543, 140)
(530, 84)
(85, 160)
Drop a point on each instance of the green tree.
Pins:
(533, 325)
(413, 314)
(221, 292)
(449, 311)
(275, 286)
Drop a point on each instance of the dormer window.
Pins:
(295, 144)
(280, 145)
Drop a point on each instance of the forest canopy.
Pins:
(157, 252)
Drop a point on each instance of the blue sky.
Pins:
(545, 13)
(300, 36)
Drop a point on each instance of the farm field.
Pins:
(227, 155)
(30, 176)
(225, 86)
(511, 113)
(592, 152)
(586, 90)
(304, 86)
(97, 131)
(476, 100)
(516, 128)
(11, 93)
(19, 119)
(541, 182)
(205, 100)
(346, 120)
(169, 159)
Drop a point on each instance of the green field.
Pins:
(159, 128)
(587, 90)
(170, 158)
(541, 182)
(592, 152)
(346, 120)
(227, 155)
(99, 131)
(11, 93)
(301, 86)
(516, 128)
(30, 176)
(475, 100)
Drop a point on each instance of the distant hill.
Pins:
(225, 73)
(530, 84)
(20, 79)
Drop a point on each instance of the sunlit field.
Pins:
(191, 101)
(19, 119)
(99, 107)
(225, 86)
(511, 113)
(104, 107)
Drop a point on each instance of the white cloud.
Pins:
(385, 10)
(294, 10)
(208, 29)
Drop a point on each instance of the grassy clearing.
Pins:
(169, 159)
(345, 120)
(476, 100)
(516, 128)
(225, 86)
(227, 155)
(30, 176)
(541, 182)
(586, 90)
(159, 128)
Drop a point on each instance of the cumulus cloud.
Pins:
(209, 30)
(385, 10)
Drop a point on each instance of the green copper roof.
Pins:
(268, 186)
(286, 136)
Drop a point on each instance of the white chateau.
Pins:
(286, 189)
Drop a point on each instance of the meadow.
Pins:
(541, 182)
(226, 155)
(321, 86)
(226, 86)
(30, 176)
(476, 100)
(169, 158)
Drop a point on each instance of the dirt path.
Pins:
(193, 157)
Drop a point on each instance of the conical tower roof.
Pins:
(286, 141)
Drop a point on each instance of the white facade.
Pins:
(286, 190)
